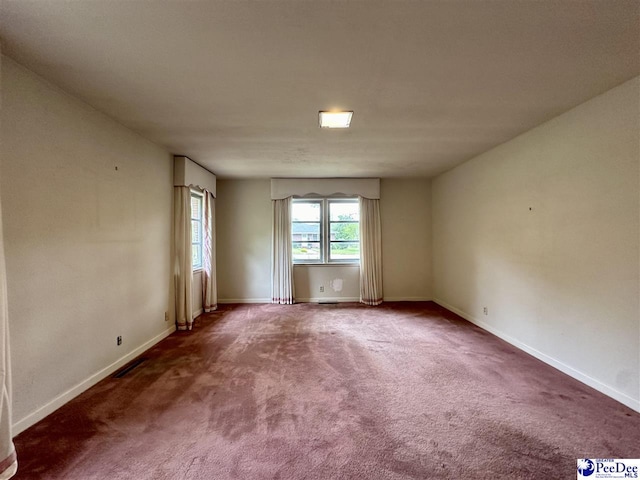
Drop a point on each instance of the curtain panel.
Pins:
(370, 252)
(282, 254)
(209, 281)
(8, 458)
(182, 263)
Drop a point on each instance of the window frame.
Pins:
(311, 261)
(325, 231)
(330, 201)
(200, 197)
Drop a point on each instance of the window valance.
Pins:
(187, 173)
(324, 187)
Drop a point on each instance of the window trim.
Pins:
(325, 231)
(200, 197)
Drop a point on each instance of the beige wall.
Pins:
(405, 210)
(243, 234)
(544, 231)
(87, 245)
(244, 246)
(341, 283)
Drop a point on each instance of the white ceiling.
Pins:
(236, 85)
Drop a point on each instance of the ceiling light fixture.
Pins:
(335, 119)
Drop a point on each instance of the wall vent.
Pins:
(127, 368)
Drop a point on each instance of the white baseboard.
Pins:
(244, 300)
(328, 299)
(408, 299)
(197, 313)
(572, 372)
(53, 405)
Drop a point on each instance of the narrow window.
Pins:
(196, 231)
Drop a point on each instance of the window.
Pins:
(196, 231)
(306, 231)
(344, 231)
(325, 231)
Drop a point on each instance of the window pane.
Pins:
(195, 232)
(196, 203)
(344, 211)
(305, 232)
(344, 251)
(305, 211)
(196, 258)
(306, 251)
(345, 231)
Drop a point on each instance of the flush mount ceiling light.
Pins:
(335, 119)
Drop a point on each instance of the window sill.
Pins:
(333, 264)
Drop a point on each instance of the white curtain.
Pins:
(8, 459)
(282, 255)
(182, 262)
(209, 284)
(370, 252)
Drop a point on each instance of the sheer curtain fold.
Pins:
(209, 281)
(282, 254)
(182, 262)
(370, 252)
(8, 458)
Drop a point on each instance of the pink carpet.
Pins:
(400, 391)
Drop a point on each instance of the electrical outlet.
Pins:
(485, 310)
(166, 316)
(322, 288)
(119, 340)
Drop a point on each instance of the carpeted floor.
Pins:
(400, 391)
